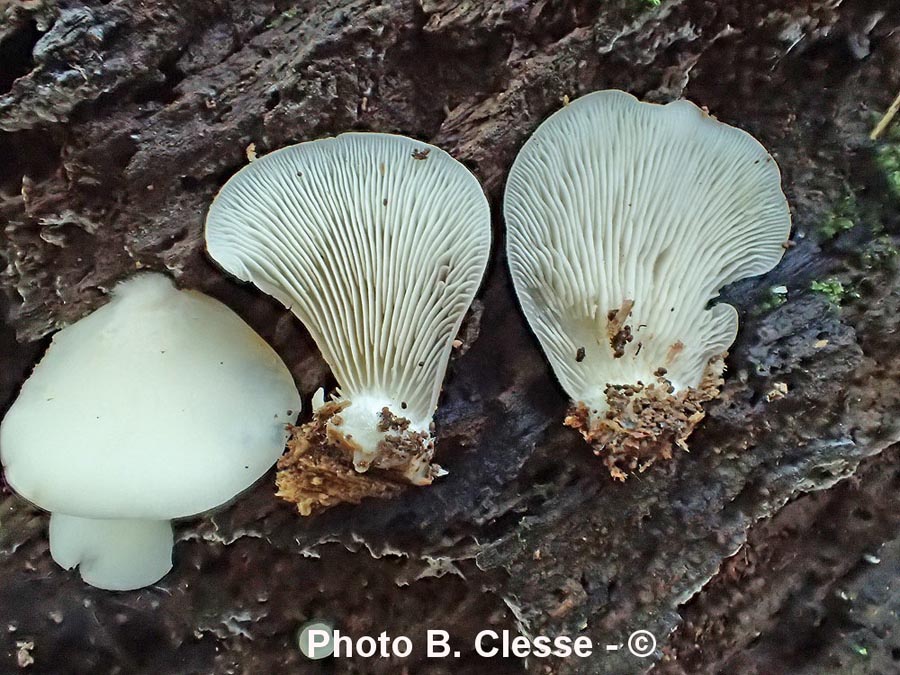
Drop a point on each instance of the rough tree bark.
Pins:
(772, 547)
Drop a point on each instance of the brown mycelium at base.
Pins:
(644, 422)
(402, 449)
(317, 471)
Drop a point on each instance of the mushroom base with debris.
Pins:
(324, 465)
(642, 423)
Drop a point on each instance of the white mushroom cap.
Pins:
(160, 404)
(613, 201)
(377, 243)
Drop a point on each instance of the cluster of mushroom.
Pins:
(624, 220)
(163, 404)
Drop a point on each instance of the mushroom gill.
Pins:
(377, 243)
(624, 221)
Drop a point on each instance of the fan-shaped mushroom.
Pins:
(161, 404)
(377, 243)
(624, 221)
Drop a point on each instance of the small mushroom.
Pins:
(161, 404)
(625, 219)
(382, 292)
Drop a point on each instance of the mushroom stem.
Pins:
(633, 425)
(381, 436)
(116, 555)
(347, 438)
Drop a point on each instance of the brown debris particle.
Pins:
(644, 423)
(617, 330)
(317, 471)
(564, 608)
(421, 154)
(573, 596)
(674, 351)
(789, 244)
(579, 355)
(388, 421)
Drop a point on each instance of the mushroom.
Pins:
(377, 243)
(624, 221)
(161, 404)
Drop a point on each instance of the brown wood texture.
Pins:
(773, 547)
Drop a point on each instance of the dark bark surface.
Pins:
(773, 547)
